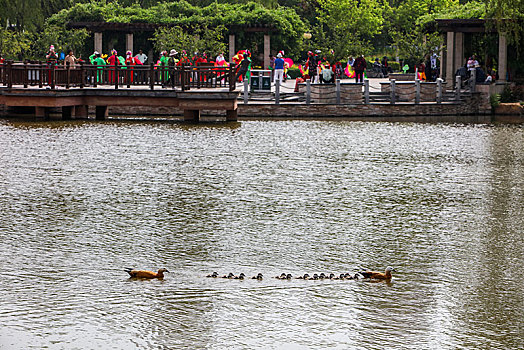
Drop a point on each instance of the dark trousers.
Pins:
(359, 76)
(242, 74)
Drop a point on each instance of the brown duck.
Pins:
(145, 274)
(378, 275)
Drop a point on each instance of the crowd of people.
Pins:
(317, 67)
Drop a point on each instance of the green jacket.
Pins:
(99, 61)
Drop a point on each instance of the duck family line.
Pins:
(372, 275)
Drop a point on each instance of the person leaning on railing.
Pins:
(70, 58)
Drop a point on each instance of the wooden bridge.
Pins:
(73, 89)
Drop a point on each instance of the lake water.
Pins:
(80, 201)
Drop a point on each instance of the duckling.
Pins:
(315, 277)
(347, 276)
(145, 274)
(258, 277)
(305, 277)
(240, 277)
(289, 276)
(378, 275)
(340, 277)
(358, 276)
(331, 276)
(322, 276)
(230, 276)
(213, 275)
(281, 277)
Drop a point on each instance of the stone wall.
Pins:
(404, 112)
(351, 93)
(406, 91)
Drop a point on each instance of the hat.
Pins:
(52, 47)
(113, 52)
(129, 53)
(172, 53)
(279, 55)
(96, 53)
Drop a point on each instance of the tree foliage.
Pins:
(202, 39)
(346, 26)
(509, 18)
(29, 14)
(14, 44)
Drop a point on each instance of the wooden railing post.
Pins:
(68, 74)
(25, 75)
(182, 78)
(96, 74)
(116, 75)
(40, 74)
(129, 76)
(82, 75)
(152, 76)
(52, 75)
(232, 82)
(10, 74)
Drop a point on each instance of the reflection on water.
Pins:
(79, 202)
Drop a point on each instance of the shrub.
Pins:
(507, 95)
(494, 100)
(293, 72)
(395, 66)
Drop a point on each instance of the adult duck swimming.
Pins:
(145, 274)
(386, 275)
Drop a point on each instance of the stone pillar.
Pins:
(191, 115)
(232, 115)
(450, 43)
(101, 112)
(442, 74)
(129, 42)
(98, 42)
(67, 112)
(81, 112)
(503, 58)
(267, 50)
(42, 113)
(231, 47)
(459, 51)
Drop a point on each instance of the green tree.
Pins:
(62, 38)
(405, 31)
(29, 14)
(202, 39)
(13, 44)
(347, 26)
(509, 18)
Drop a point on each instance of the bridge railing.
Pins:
(87, 75)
